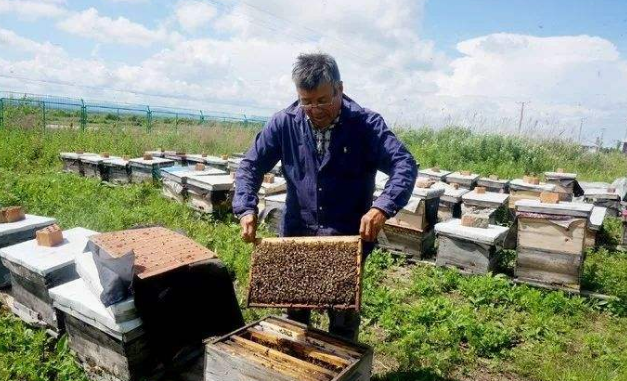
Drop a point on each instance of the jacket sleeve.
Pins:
(394, 160)
(259, 160)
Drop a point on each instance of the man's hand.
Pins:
(249, 227)
(371, 224)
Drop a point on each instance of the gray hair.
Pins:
(314, 69)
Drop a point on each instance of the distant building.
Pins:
(591, 148)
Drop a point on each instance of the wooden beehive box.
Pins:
(233, 163)
(116, 171)
(470, 249)
(282, 350)
(272, 209)
(178, 157)
(551, 238)
(143, 170)
(465, 180)
(36, 269)
(174, 180)
(403, 240)
(435, 174)
(490, 202)
(306, 272)
(521, 190)
(72, 161)
(109, 348)
(603, 196)
(209, 194)
(450, 202)
(565, 184)
(93, 166)
(12, 233)
(493, 184)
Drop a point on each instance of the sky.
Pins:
(417, 62)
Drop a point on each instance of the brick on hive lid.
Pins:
(465, 173)
(161, 150)
(476, 220)
(49, 236)
(493, 177)
(455, 186)
(80, 152)
(204, 154)
(480, 190)
(11, 214)
(560, 170)
(422, 182)
(549, 197)
(105, 155)
(268, 178)
(224, 157)
(199, 167)
(147, 156)
(436, 168)
(125, 157)
(181, 153)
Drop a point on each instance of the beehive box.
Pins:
(72, 161)
(174, 180)
(209, 194)
(109, 350)
(493, 184)
(93, 166)
(421, 211)
(565, 184)
(450, 202)
(19, 231)
(176, 156)
(143, 170)
(36, 269)
(272, 212)
(212, 161)
(277, 185)
(470, 249)
(435, 174)
(597, 216)
(279, 349)
(521, 190)
(551, 240)
(492, 203)
(606, 197)
(306, 272)
(233, 163)
(401, 239)
(465, 180)
(116, 171)
(157, 153)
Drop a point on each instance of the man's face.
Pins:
(329, 99)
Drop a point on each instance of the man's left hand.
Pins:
(371, 224)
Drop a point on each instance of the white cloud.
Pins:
(32, 9)
(121, 30)
(10, 40)
(192, 14)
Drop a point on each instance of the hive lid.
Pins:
(96, 159)
(429, 172)
(519, 184)
(155, 160)
(75, 299)
(157, 153)
(29, 222)
(74, 155)
(560, 175)
(597, 216)
(215, 160)
(44, 260)
(460, 177)
(488, 181)
(601, 193)
(211, 183)
(454, 228)
(427, 193)
(450, 193)
(563, 208)
(118, 162)
(182, 173)
(471, 198)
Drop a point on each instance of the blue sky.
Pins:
(418, 62)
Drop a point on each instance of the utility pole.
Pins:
(580, 128)
(522, 113)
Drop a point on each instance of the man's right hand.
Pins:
(249, 227)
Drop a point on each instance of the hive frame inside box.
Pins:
(116, 171)
(250, 354)
(36, 269)
(548, 253)
(471, 250)
(147, 170)
(15, 232)
(316, 239)
(205, 197)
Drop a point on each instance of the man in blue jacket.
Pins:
(330, 149)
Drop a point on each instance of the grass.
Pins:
(424, 323)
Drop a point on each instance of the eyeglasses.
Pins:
(310, 107)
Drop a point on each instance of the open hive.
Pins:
(12, 233)
(147, 169)
(306, 272)
(156, 250)
(282, 350)
(551, 239)
(35, 269)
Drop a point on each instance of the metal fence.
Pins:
(50, 112)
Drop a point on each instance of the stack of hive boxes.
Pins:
(464, 179)
(551, 239)
(491, 203)
(565, 184)
(450, 200)
(93, 165)
(174, 179)
(492, 183)
(527, 188)
(72, 161)
(147, 168)
(116, 171)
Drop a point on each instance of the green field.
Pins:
(425, 323)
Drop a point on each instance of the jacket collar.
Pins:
(349, 109)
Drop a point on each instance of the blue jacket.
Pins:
(328, 196)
